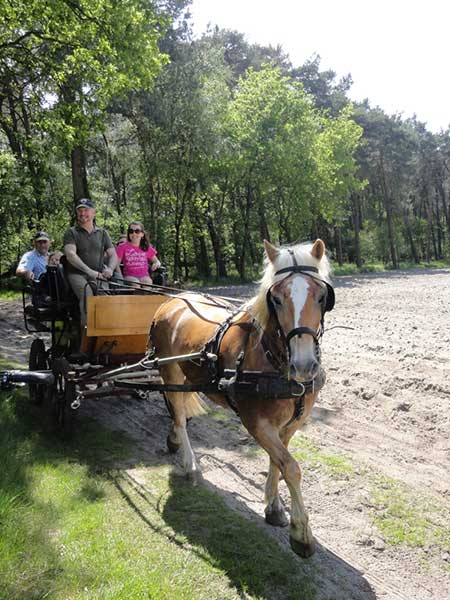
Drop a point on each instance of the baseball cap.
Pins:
(41, 235)
(85, 203)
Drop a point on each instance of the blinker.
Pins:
(329, 303)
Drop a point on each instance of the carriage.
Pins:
(66, 367)
(261, 359)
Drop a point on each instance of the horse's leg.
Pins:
(274, 511)
(181, 404)
(301, 538)
(173, 444)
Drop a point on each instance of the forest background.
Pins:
(213, 143)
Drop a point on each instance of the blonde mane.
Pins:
(257, 306)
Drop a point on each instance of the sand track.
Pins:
(385, 409)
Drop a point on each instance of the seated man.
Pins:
(33, 264)
(85, 246)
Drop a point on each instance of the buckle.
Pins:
(302, 393)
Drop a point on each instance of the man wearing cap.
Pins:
(86, 247)
(34, 263)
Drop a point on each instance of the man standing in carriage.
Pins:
(87, 248)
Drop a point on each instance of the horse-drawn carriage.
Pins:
(67, 365)
(262, 359)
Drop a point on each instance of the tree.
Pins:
(72, 57)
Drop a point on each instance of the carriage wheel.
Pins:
(64, 393)
(37, 361)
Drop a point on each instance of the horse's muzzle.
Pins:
(305, 372)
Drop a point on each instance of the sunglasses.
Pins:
(135, 230)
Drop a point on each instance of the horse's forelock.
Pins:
(302, 252)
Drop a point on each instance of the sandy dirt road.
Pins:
(377, 445)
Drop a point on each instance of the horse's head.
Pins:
(298, 294)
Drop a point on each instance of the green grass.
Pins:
(6, 364)
(307, 453)
(10, 295)
(404, 518)
(352, 269)
(73, 526)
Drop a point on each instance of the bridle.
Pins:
(327, 304)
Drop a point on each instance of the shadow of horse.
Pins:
(189, 513)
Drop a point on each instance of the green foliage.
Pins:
(83, 55)
(214, 144)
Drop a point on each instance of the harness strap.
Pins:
(299, 331)
(296, 268)
(213, 344)
(236, 378)
(294, 260)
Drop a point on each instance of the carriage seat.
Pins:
(51, 297)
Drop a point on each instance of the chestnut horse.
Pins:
(275, 337)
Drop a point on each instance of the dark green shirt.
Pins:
(91, 247)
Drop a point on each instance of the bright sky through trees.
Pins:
(397, 51)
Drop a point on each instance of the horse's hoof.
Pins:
(277, 518)
(303, 550)
(172, 446)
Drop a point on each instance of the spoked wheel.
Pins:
(37, 362)
(64, 393)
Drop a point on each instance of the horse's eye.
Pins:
(276, 301)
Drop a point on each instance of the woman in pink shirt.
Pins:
(136, 253)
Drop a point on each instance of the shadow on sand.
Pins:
(189, 512)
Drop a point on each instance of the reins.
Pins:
(151, 289)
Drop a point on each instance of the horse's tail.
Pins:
(194, 405)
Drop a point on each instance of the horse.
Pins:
(269, 345)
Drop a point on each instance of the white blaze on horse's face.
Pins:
(301, 309)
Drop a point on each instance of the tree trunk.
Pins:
(387, 201)
(263, 227)
(246, 233)
(412, 244)
(355, 202)
(115, 180)
(79, 174)
(338, 244)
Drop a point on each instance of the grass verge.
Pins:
(401, 515)
(306, 452)
(71, 526)
(404, 518)
(10, 295)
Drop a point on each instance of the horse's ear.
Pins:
(271, 251)
(318, 249)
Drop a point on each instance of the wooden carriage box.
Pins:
(120, 325)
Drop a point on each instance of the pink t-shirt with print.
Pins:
(135, 260)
